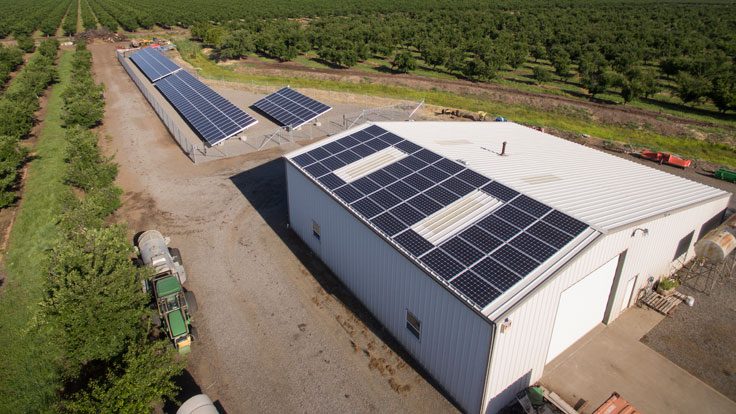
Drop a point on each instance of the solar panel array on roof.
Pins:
(290, 108)
(213, 117)
(154, 64)
(487, 256)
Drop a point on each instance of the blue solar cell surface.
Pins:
(153, 64)
(483, 261)
(213, 117)
(290, 108)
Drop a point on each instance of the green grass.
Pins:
(561, 119)
(28, 378)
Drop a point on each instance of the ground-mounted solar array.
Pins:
(487, 256)
(154, 64)
(290, 108)
(211, 116)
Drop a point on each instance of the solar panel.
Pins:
(290, 108)
(213, 117)
(476, 288)
(154, 64)
(489, 256)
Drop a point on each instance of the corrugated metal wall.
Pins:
(520, 353)
(455, 341)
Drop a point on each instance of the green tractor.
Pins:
(174, 304)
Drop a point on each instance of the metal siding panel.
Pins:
(455, 339)
(524, 347)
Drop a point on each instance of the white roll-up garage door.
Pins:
(582, 307)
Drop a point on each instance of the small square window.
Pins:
(315, 230)
(413, 324)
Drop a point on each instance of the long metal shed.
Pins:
(487, 249)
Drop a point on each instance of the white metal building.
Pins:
(487, 279)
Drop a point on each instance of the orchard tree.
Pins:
(691, 88)
(404, 62)
(723, 90)
(560, 61)
(541, 75)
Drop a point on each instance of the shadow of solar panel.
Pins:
(391, 138)
(348, 141)
(427, 156)
(318, 153)
(363, 150)
(514, 216)
(402, 190)
(495, 274)
(434, 174)
(367, 208)
(549, 234)
(408, 147)
(498, 227)
(412, 163)
(482, 240)
(303, 160)
(476, 289)
(407, 214)
(331, 181)
(348, 156)
(515, 260)
(461, 251)
(388, 224)
(441, 195)
(499, 191)
(424, 204)
(365, 185)
(316, 170)
(531, 206)
(565, 223)
(413, 242)
(397, 170)
(417, 181)
(377, 144)
(457, 186)
(375, 130)
(333, 163)
(384, 198)
(473, 178)
(533, 247)
(448, 166)
(348, 193)
(442, 264)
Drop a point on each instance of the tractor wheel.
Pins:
(193, 332)
(176, 254)
(191, 301)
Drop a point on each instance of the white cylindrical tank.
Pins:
(199, 404)
(719, 242)
(152, 246)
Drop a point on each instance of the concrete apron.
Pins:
(611, 358)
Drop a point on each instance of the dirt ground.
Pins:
(701, 339)
(277, 332)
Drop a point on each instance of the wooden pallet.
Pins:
(663, 304)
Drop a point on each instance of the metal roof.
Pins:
(600, 189)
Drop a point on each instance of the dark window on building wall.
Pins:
(712, 223)
(413, 324)
(683, 245)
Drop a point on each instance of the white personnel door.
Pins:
(582, 307)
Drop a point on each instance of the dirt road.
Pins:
(278, 333)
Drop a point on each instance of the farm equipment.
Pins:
(726, 175)
(665, 158)
(173, 303)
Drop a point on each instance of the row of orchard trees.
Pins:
(635, 49)
(25, 17)
(18, 105)
(93, 297)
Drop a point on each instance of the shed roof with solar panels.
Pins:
(513, 224)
